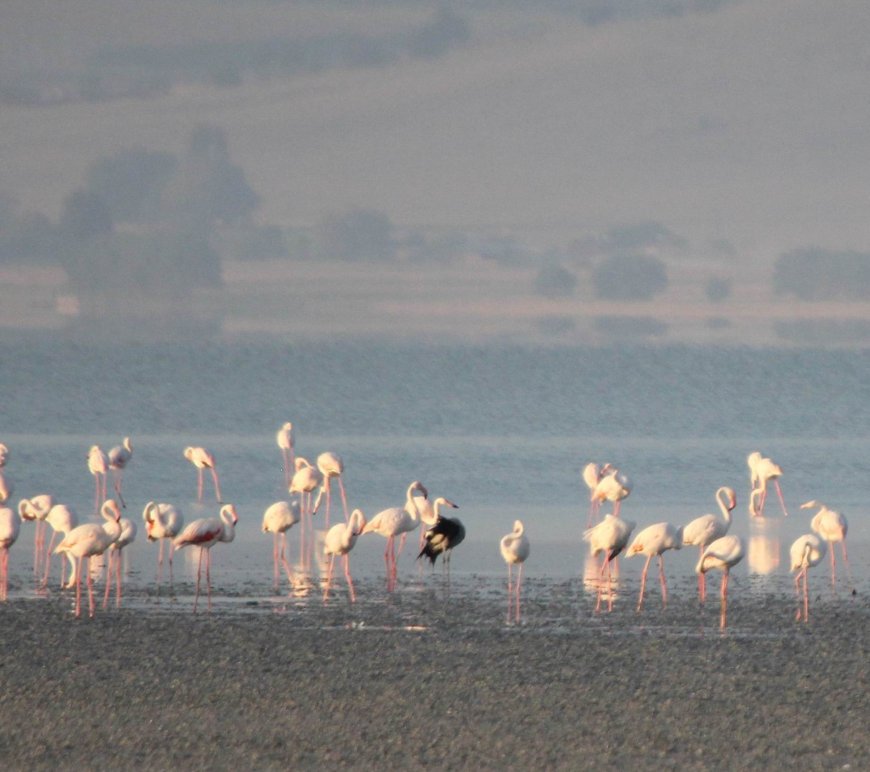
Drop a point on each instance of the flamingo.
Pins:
(723, 553)
(393, 521)
(806, 551)
(614, 487)
(331, 465)
(832, 527)
(278, 519)
(592, 475)
(119, 456)
(761, 471)
(514, 548)
(10, 524)
(125, 537)
(35, 510)
(205, 533)
(62, 519)
(162, 522)
(305, 480)
(4, 454)
(98, 465)
(284, 438)
(707, 528)
(655, 540)
(340, 540)
(441, 538)
(610, 537)
(86, 541)
(203, 459)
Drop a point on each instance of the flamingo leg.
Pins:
(284, 559)
(347, 576)
(118, 591)
(663, 582)
(208, 577)
(510, 595)
(288, 478)
(275, 537)
(4, 573)
(846, 560)
(109, 566)
(199, 485)
(833, 566)
(781, 499)
(159, 563)
(343, 500)
(78, 587)
(328, 488)
(518, 590)
(217, 485)
(702, 580)
(328, 577)
(724, 595)
(91, 607)
(48, 562)
(643, 582)
(198, 575)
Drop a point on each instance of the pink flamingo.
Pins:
(613, 487)
(86, 541)
(203, 459)
(832, 527)
(62, 519)
(707, 528)
(125, 537)
(306, 480)
(610, 537)
(806, 551)
(331, 465)
(119, 457)
(35, 510)
(98, 465)
(205, 533)
(761, 471)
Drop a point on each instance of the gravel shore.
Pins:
(423, 679)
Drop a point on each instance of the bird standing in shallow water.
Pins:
(653, 541)
(35, 509)
(331, 465)
(806, 551)
(284, 438)
(205, 533)
(610, 537)
(114, 561)
(163, 522)
(203, 459)
(761, 471)
(119, 457)
(706, 529)
(832, 527)
(277, 520)
(514, 548)
(98, 466)
(723, 553)
(340, 540)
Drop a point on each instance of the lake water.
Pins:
(503, 431)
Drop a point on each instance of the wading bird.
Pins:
(832, 527)
(203, 459)
(441, 538)
(339, 541)
(514, 548)
(284, 438)
(277, 520)
(654, 541)
(34, 510)
(592, 475)
(87, 541)
(98, 466)
(613, 487)
(806, 551)
(706, 529)
(610, 537)
(723, 553)
(763, 470)
(205, 533)
(10, 524)
(119, 457)
(62, 519)
(115, 559)
(163, 522)
(331, 465)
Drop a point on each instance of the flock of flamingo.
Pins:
(310, 487)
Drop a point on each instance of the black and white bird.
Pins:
(442, 537)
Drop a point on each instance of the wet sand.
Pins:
(427, 678)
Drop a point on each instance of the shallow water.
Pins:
(503, 432)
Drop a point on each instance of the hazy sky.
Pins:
(749, 123)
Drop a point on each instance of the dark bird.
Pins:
(442, 537)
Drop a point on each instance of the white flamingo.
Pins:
(340, 540)
(205, 533)
(163, 522)
(87, 541)
(393, 521)
(277, 520)
(763, 470)
(723, 553)
(98, 466)
(654, 541)
(610, 537)
(515, 548)
(832, 526)
(114, 560)
(62, 519)
(592, 475)
(331, 465)
(286, 442)
(805, 552)
(119, 456)
(707, 528)
(306, 479)
(613, 487)
(34, 510)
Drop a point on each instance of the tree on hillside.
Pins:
(629, 277)
(818, 274)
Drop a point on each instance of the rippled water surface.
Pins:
(501, 431)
